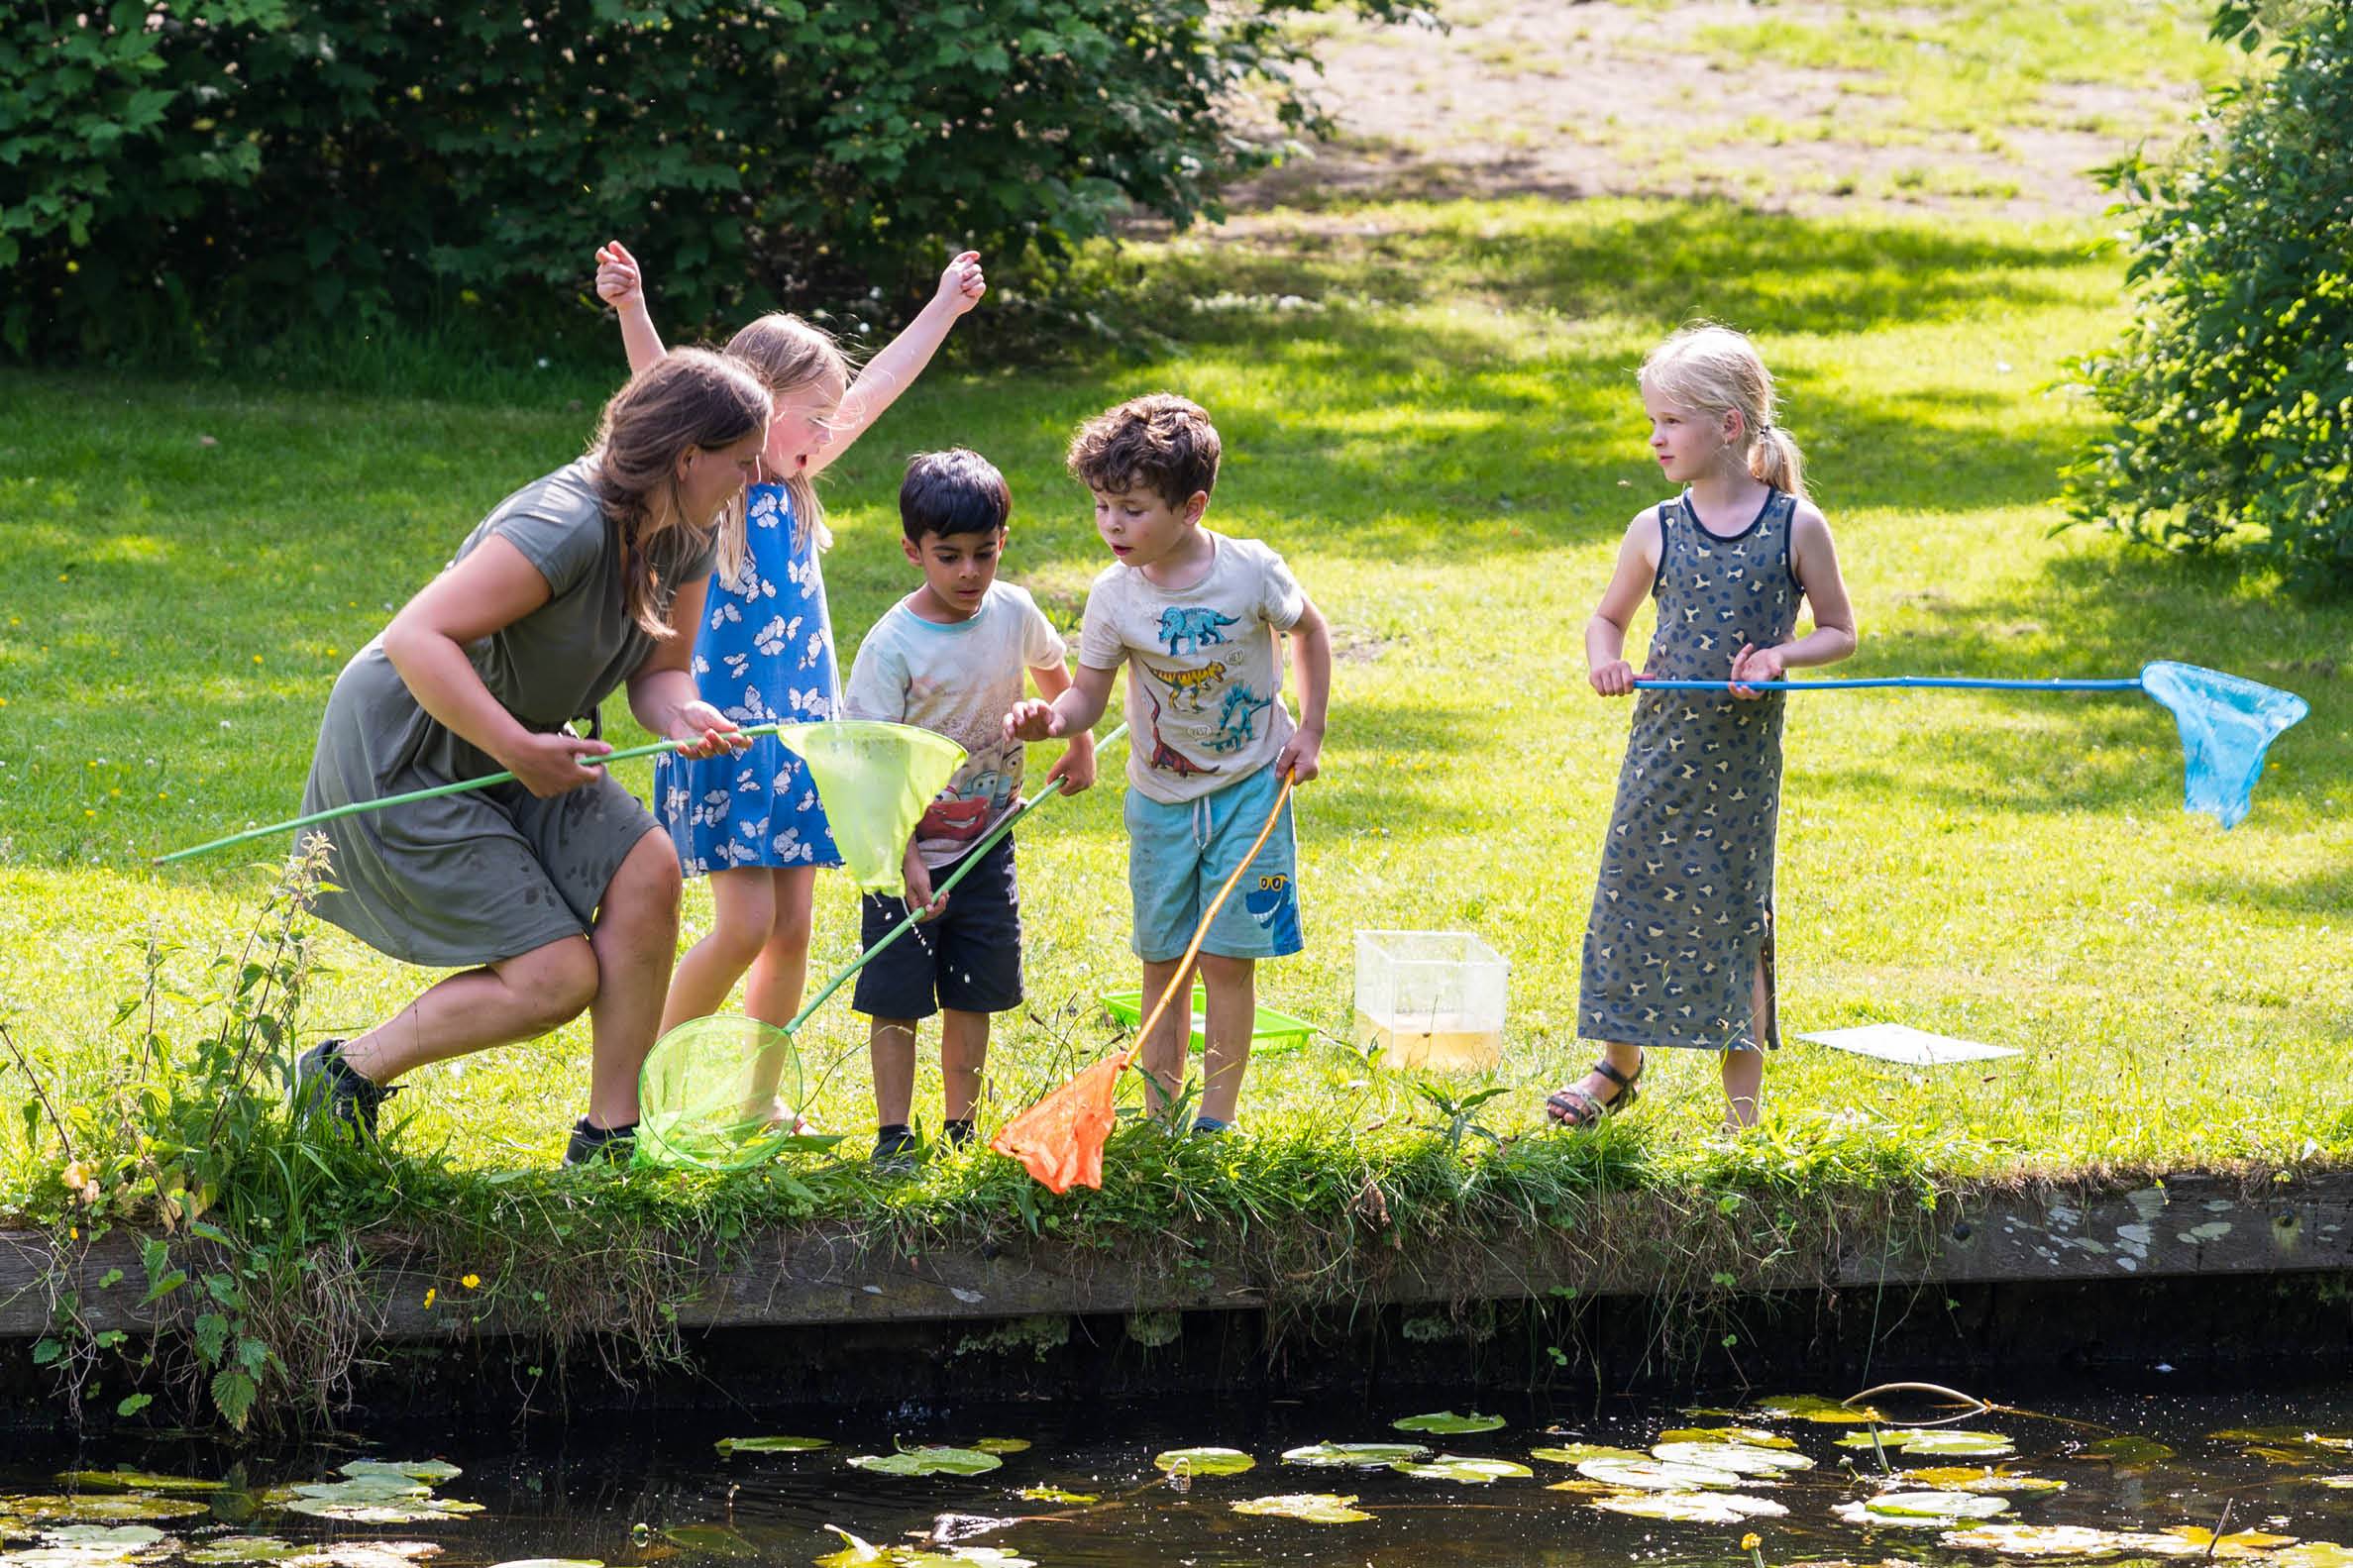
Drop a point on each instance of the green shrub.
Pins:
(2232, 393)
(191, 173)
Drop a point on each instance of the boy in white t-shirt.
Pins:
(948, 658)
(1198, 618)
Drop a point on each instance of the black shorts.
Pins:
(968, 958)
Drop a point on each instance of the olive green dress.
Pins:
(469, 879)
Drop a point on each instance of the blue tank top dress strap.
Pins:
(1682, 917)
(763, 653)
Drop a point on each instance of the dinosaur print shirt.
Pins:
(957, 680)
(1205, 667)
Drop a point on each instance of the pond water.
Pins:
(2107, 1480)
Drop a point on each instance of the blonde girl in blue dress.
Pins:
(764, 648)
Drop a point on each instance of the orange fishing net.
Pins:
(1060, 1138)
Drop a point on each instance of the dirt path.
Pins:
(1566, 99)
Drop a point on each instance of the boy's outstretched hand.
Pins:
(921, 902)
(1075, 766)
(1033, 720)
(961, 286)
(618, 282)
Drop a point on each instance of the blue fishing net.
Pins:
(2227, 723)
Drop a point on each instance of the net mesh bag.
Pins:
(875, 780)
(721, 1093)
(2227, 723)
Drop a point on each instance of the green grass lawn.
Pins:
(1430, 411)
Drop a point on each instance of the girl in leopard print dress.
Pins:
(1680, 945)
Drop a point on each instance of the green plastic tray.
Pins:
(1271, 1030)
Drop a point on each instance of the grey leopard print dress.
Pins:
(1683, 909)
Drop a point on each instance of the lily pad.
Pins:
(136, 1481)
(1341, 1456)
(1204, 1462)
(365, 1554)
(1585, 1488)
(2339, 1483)
(427, 1470)
(1002, 1445)
(1454, 1467)
(87, 1547)
(712, 1540)
(860, 1554)
(383, 1510)
(2287, 1437)
(929, 1462)
(1314, 1508)
(1978, 1478)
(1754, 1436)
(2036, 1540)
(1928, 1507)
(1056, 1495)
(1447, 1424)
(1946, 1440)
(244, 1549)
(130, 1537)
(1658, 1475)
(1814, 1407)
(372, 1488)
(770, 1445)
(1744, 1459)
(91, 1510)
(2127, 1450)
(1691, 1508)
(1579, 1453)
(2313, 1554)
(2238, 1544)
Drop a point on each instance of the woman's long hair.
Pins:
(1712, 370)
(691, 398)
(791, 356)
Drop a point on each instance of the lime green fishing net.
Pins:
(722, 1094)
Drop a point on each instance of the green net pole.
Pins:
(487, 780)
(972, 857)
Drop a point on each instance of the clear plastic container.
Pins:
(1431, 1000)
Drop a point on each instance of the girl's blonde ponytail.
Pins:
(1774, 458)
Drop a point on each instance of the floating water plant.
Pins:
(1657, 1475)
(1946, 1440)
(858, 1553)
(1445, 1423)
(1752, 1436)
(1454, 1467)
(1313, 1507)
(1975, 1478)
(1204, 1462)
(1365, 1456)
(1744, 1459)
(1814, 1407)
(88, 1510)
(135, 1481)
(2127, 1450)
(426, 1469)
(2036, 1540)
(1579, 1453)
(1922, 1509)
(1691, 1508)
(1056, 1495)
(929, 1462)
(87, 1547)
(770, 1445)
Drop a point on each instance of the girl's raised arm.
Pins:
(895, 368)
(620, 285)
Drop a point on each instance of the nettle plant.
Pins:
(2231, 395)
(188, 1142)
(177, 172)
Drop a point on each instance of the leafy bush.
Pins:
(2232, 393)
(193, 172)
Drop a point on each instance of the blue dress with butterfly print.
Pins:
(1682, 919)
(763, 653)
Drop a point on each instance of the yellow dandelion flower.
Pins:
(257, 659)
(430, 1293)
(470, 1281)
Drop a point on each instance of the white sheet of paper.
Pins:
(1900, 1042)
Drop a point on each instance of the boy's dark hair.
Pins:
(956, 491)
(1162, 443)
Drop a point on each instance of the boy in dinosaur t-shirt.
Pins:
(1198, 618)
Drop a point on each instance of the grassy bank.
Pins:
(1428, 409)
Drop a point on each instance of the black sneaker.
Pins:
(593, 1145)
(955, 1135)
(897, 1149)
(323, 1080)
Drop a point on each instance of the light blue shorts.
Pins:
(1179, 856)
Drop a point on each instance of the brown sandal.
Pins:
(1573, 1107)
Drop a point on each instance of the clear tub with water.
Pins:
(1430, 999)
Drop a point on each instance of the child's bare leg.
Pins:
(636, 943)
(1232, 991)
(1743, 1071)
(515, 998)
(1165, 1048)
(743, 905)
(963, 1054)
(771, 992)
(890, 1047)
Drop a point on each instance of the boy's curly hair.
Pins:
(1162, 443)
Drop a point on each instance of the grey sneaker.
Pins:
(324, 1080)
(593, 1145)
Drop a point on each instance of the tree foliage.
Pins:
(2231, 395)
(176, 170)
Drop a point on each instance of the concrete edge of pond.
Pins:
(2180, 1226)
